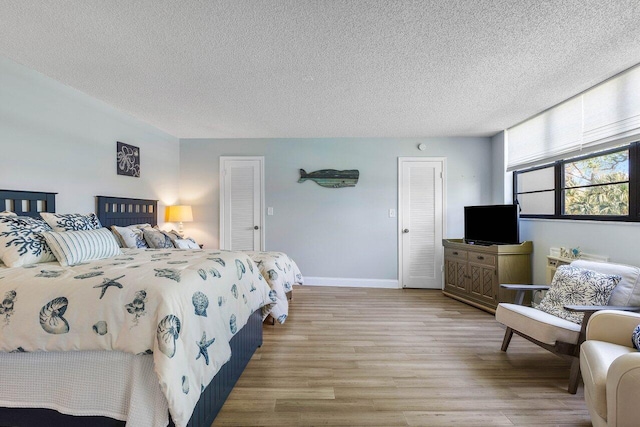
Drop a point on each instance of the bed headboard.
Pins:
(122, 211)
(27, 203)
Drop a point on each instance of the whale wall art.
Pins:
(331, 178)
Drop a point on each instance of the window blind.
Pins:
(549, 135)
(603, 116)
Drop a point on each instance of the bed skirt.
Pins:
(143, 398)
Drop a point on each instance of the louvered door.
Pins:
(241, 206)
(421, 222)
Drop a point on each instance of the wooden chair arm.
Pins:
(517, 287)
(521, 289)
(589, 310)
(594, 308)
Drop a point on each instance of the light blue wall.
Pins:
(617, 240)
(502, 181)
(336, 233)
(54, 138)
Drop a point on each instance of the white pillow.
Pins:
(185, 244)
(8, 213)
(21, 242)
(71, 222)
(74, 247)
(130, 237)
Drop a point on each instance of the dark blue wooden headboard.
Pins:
(27, 203)
(122, 211)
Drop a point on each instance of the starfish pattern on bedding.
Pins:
(106, 283)
(204, 345)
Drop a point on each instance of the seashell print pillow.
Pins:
(157, 239)
(21, 241)
(187, 243)
(130, 237)
(71, 222)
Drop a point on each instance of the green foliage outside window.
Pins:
(597, 185)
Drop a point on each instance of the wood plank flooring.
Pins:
(383, 357)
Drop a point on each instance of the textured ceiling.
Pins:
(312, 68)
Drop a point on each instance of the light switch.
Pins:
(392, 213)
(270, 211)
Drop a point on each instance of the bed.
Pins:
(202, 321)
(281, 272)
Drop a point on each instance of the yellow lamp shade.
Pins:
(178, 213)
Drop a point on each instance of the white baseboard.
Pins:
(351, 283)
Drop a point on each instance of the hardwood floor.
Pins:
(360, 357)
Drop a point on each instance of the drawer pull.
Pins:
(480, 257)
(455, 253)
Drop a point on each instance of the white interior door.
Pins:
(242, 203)
(421, 221)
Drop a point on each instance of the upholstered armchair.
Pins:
(557, 334)
(610, 367)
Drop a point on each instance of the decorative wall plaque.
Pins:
(331, 178)
(128, 160)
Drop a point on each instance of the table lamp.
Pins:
(179, 214)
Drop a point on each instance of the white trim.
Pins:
(351, 283)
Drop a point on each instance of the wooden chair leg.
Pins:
(507, 339)
(574, 375)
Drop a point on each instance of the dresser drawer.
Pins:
(481, 258)
(455, 254)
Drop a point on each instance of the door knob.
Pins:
(406, 230)
(255, 227)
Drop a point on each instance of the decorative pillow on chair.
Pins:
(71, 222)
(576, 286)
(74, 247)
(635, 338)
(157, 239)
(130, 237)
(21, 242)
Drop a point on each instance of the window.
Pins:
(598, 186)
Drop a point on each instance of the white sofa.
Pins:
(610, 367)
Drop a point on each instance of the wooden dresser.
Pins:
(473, 273)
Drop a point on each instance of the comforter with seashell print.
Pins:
(281, 272)
(183, 306)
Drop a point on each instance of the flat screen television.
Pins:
(491, 225)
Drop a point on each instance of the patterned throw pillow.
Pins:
(71, 222)
(577, 286)
(74, 247)
(635, 338)
(21, 242)
(157, 239)
(130, 237)
(187, 243)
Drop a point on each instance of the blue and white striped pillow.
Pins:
(74, 247)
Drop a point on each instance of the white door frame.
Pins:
(223, 159)
(443, 163)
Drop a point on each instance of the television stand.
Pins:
(473, 272)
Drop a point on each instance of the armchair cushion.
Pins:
(595, 359)
(537, 324)
(577, 286)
